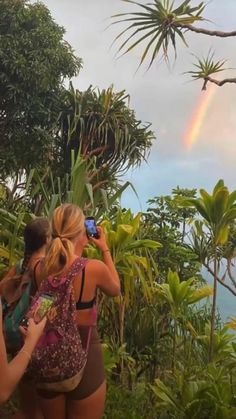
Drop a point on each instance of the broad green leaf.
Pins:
(199, 294)
(220, 201)
(220, 184)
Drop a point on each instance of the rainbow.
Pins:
(198, 116)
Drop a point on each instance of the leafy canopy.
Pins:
(34, 62)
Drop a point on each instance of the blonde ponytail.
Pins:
(67, 224)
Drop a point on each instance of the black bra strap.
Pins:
(82, 285)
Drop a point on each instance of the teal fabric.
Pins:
(13, 315)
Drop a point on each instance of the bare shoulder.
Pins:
(103, 278)
(97, 271)
(96, 266)
(11, 273)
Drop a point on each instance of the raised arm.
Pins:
(12, 372)
(107, 276)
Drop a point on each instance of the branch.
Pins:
(220, 34)
(218, 82)
(96, 151)
(230, 272)
(219, 280)
(99, 185)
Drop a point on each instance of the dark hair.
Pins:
(35, 235)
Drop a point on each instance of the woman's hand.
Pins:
(101, 242)
(33, 331)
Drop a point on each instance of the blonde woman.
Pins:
(69, 238)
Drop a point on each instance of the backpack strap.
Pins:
(34, 285)
(18, 267)
(77, 265)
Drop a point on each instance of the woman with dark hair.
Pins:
(87, 399)
(37, 234)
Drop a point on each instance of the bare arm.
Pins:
(12, 372)
(107, 276)
(108, 283)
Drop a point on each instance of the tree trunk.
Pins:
(174, 345)
(213, 311)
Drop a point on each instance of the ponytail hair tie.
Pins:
(57, 236)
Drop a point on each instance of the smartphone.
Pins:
(91, 228)
(39, 309)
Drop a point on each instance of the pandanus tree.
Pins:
(43, 192)
(100, 123)
(161, 24)
(218, 211)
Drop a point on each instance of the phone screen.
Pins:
(91, 228)
(39, 309)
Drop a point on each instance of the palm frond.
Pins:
(158, 23)
(205, 67)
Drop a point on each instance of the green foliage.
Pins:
(159, 23)
(222, 343)
(205, 67)
(130, 254)
(43, 194)
(167, 222)
(179, 294)
(35, 60)
(208, 394)
(11, 242)
(218, 211)
(123, 403)
(101, 123)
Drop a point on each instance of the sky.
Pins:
(163, 96)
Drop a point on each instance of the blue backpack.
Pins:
(17, 292)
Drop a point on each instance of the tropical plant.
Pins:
(11, 242)
(43, 194)
(222, 343)
(100, 123)
(178, 295)
(167, 222)
(136, 270)
(35, 61)
(206, 67)
(160, 23)
(218, 211)
(201, 245)
(207, 395)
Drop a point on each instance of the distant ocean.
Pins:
(226, 301)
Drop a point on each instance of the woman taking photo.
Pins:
(69, 238)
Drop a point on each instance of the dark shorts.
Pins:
(94, 374)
